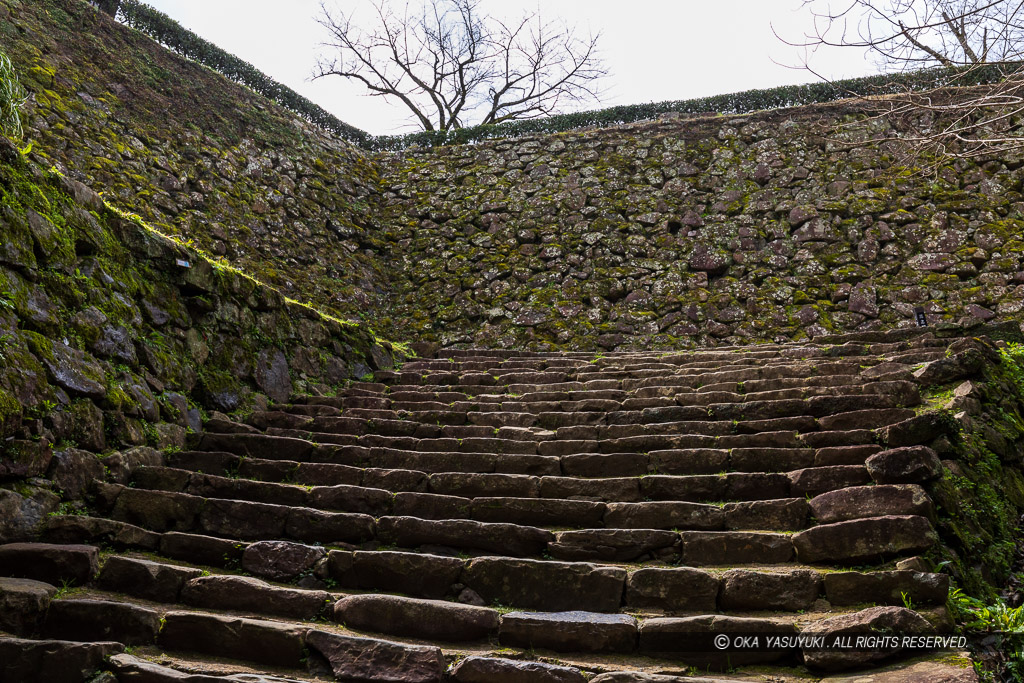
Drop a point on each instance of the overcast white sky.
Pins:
(656, 49)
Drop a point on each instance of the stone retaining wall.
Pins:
(696, 232)
(669, 234)
(114, 336)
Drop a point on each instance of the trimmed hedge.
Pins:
(174, 36)
(734, 103)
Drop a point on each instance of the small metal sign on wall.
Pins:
(922, 319)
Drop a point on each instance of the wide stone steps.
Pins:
(920, 351)
(458, 518)
(356, 652)
(519, 383)
(424, 400)
(723, 357)
(700, 534)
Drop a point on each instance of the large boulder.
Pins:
(672, 589)
(858, 502)
(427, 619)
(281, 560)
(876, 621)
(73, 470)
(864, 539)
(23, 604)
(538, 584)
(84, 620)
(54, 564)
(418, 574)
(905, 465)
(21, 516)
(496, 670)
(759, 590)
(249, 594)
(21, 458)
(886, 587)
(366, 660)
(145, 579)
(52, 661)
(266, 642)
(569, 631)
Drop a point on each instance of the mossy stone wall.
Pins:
(774, 226)
(667, 234)
(113, 335)
(197, 156)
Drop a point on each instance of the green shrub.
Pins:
(12, 97)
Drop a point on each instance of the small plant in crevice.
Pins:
(66, 588)
(69, 508)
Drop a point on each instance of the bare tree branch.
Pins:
(908, 34)
(902, 33)
(446, 62)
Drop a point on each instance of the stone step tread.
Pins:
(708, 529)
(760, 352)
(475, 384)
(670, 359)
(627, 378)
(717, 549)
(412, 395)
(607, 398)
(778, 366)
(153, 665)
(415, 621)
(276, 558)
(483, 659)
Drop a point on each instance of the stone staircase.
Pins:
(492, 516)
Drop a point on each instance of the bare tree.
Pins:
(905, 35)
(920, 33)
(453, 66)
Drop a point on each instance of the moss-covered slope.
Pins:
(675, 233)
(113, 335)
(195, 155)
